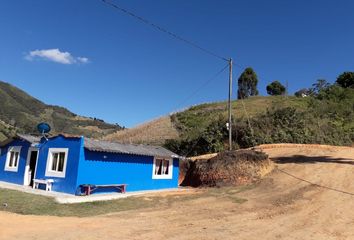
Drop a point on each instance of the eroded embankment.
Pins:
(226, 168)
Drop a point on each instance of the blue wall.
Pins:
(14, 177)
(136, 171)
(68, 183)
(89, 167)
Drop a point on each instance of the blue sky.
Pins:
(108, 65)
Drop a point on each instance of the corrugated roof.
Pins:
(104, 146)
(29, 138)
(145, 150)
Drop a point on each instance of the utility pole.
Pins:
(229, 104)
(287, 89)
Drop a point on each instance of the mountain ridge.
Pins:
(21, 112)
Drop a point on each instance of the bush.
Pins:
(346, 80)
(275, 88)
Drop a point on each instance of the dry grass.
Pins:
(307, 146)
(153, 132)
(196, 118)
(203, 157)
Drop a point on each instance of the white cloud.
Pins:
(55, 55)
(83, 59)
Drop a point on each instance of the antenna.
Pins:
(43, 128)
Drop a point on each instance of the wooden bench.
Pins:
(89, 188)
(48, 183)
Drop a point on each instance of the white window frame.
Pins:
(170, 169)
(7, 163)
(49, 172)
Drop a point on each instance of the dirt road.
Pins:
(283, 206)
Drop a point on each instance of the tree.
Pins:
(247, 84)
(276, 88)
(319, 86)
(346, 80)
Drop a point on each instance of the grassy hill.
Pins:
(194, 120)
(324, 118)
(155, 132)
(20, 112)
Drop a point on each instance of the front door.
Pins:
(32, 166)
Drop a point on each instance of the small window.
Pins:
(12, 159)
(56, 162)
(162, 168)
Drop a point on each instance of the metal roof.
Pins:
(113, 147)
(104, 146)
(29, 138)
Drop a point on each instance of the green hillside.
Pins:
(20, 112)
(325, 117)
(194, 120)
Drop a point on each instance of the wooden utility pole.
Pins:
(229, 104)
(287, 89)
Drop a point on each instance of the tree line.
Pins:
(248, 81)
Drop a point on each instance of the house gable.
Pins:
(14, 174)
(64, 181)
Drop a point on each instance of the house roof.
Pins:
(104, 146)
(146, 150)
(29, 138)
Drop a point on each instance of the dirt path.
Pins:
(283, 206)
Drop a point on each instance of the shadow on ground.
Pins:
(312, 159)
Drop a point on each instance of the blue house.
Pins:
(71, 162)
(17, 158)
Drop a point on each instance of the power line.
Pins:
(161, 29)
(202, 86)
(174, 35)
(190, 43)
(315, 184)
(238, 65)
(191, 95)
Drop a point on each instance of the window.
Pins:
(12, 158)
(162, 168)
(56, 162)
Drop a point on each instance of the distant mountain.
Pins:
(20, 112)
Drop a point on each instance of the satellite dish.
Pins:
(43, 128)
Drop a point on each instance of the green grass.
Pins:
(191, 122)
(30, 204)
